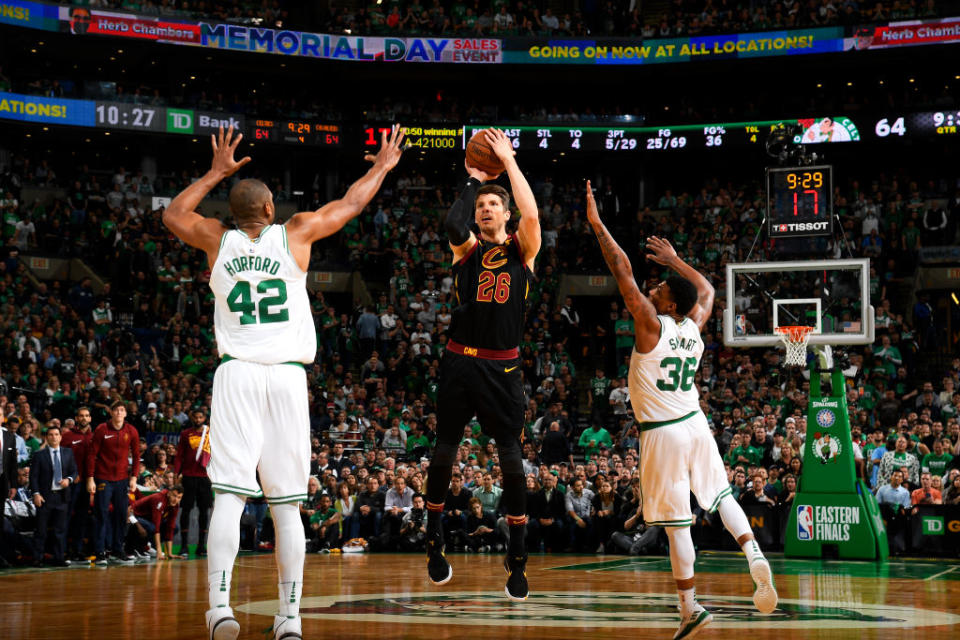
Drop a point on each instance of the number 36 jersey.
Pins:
(262, 312)
(661, 381)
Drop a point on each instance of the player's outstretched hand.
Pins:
(479, 174)
(224, 147)
(593, 215)
(500, 144)
(661, 251)
(390, 149)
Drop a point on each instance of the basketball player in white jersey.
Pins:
(265, 335)
(677, 452)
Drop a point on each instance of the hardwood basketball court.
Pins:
(388, 596)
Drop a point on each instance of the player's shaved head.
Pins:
(248, 199)
(683, 293)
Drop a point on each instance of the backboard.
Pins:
(833, 296)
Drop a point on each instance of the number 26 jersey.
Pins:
(491, 284)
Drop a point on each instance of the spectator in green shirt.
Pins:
(597, 398)
(937, 462)
(488, 494)
(594, 438)
(323, 523)
(623, 328)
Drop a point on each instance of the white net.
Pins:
(795, 339)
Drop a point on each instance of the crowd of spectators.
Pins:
(506, 18)
(145, 341)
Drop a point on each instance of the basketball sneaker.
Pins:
(765, 591)
(438, 568)
(285, 628)
(516, 568)
(693, 623)
(221, 624)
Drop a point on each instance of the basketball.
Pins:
(480, 155)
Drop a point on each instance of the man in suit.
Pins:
(52, 475)
(549, 512)
(8, 478)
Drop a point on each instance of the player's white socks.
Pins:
(682, 557)
(223, 542)
(290, 551)
(752, 550)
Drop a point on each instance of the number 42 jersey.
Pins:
(661, 381)
(262, 312)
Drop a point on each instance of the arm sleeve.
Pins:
(459, 215)
(92, 452)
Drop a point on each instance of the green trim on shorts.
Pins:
(227, 358)
(646, 426)
(716, 503)
(240, 491)
(671, 523)
(300, 497)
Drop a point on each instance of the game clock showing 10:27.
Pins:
(800, 201)
(117, 115)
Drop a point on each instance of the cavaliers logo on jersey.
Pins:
(494, 258)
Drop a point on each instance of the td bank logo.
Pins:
(179, 121)
(932, 525)
(566, 609)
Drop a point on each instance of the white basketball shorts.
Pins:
(260, 420)
(675, 459)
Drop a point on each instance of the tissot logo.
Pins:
(802, 226)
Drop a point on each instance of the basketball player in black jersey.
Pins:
(480, 371)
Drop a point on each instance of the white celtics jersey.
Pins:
(661, 381)
(262, 310)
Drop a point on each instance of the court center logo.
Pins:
(565, 609)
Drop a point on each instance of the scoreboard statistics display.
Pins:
(800, 201)
(918, 125)
(622, 138)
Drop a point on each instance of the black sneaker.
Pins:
(517, 588)
(438, 568)
(102, 559)
(124, 558)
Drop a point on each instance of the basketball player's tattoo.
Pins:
(621, 268)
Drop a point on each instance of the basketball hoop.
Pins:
(795, 339)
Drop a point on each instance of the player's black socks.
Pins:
(518, 529)
(434, 511)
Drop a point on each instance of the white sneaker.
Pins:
(285, 628)
(694, 623)
(765, 591)
(221, 624)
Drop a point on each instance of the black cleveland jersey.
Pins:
(491, 284)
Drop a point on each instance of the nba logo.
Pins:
(740, 327)
(804, 522)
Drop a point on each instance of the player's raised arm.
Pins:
(528, 231)
(182, 219)
(662, 252)
(644, 314)
(309, 226)
(457, 222)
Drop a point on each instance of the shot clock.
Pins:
(800, 201)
